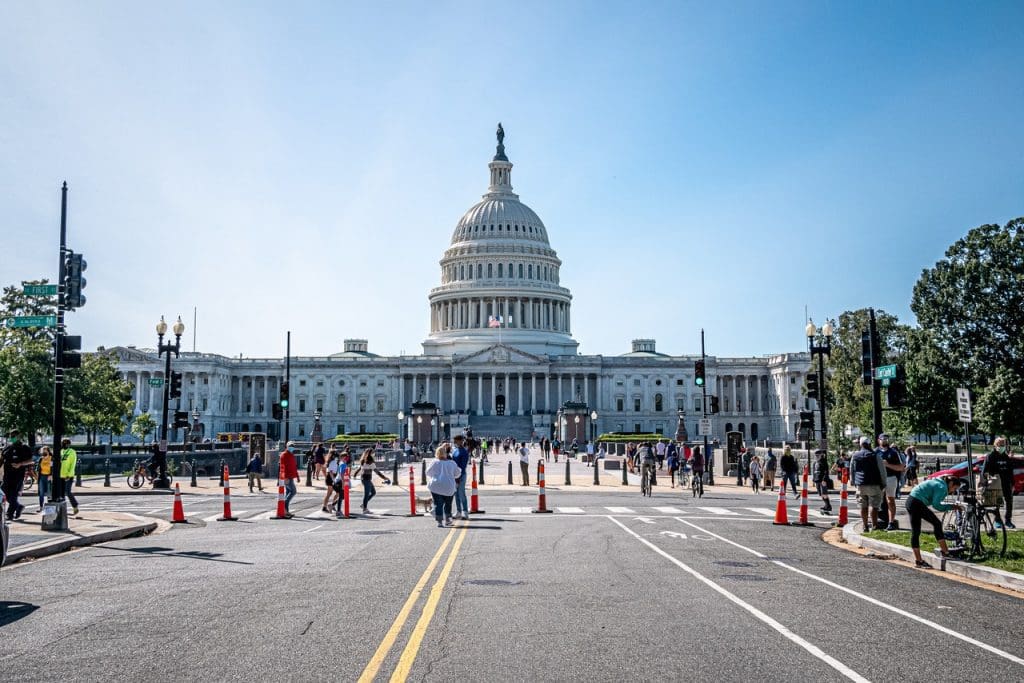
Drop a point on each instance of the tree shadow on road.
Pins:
(184, 554)
(11, 611)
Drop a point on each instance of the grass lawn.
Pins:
(1013, 561)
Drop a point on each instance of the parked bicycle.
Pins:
(140, 475)
(30, 477)
(973, 524)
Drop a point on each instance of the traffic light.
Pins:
(284, 395)
(812, 385)
(698, 373)
(807, 422)
(276, 411)
(714, 405)
(866, 361)
(897, 392)
(69, 356)
(180, 419)
(175, 389)
(74, 283)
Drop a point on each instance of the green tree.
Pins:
(143, 425)
(998, 407)
(931, 394)
(972, 304)
(97, 399)
(13, 302)
(26, 365)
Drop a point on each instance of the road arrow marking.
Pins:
(645, 520)
(674, 534)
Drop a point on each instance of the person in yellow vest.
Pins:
(68, 462)
(45, 469)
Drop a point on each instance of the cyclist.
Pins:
(697, 463)
(930, 493)
(673, 463)
(648, 463)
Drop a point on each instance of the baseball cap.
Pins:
(883, 436)
(290, 444)
(865, 441)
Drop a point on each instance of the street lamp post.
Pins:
(401, 427)
(161, 481)
(318, 430)
(593, 426)
(195, 436)
(820, 350)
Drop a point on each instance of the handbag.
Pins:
(992, 492)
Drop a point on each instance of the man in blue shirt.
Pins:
(461, 457)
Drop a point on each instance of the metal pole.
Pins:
(60, 523)
(821, 399)
(876, 386)
(709, 459)
(287, 378)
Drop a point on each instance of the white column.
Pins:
(480, 393)
(252, 396)
(465, 389)
(586, 388)
(519, 405)
(734, 394)
(547, 391)
(453, 407)
(508, 395)
(561, 379)
(533, 392)
(426, 388)
(494, 393)
(401, 392)
(266, 395)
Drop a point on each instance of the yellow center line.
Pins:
(370, 672)
(413, 646)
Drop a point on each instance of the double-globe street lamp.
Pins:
(160, 481)
(820, 350)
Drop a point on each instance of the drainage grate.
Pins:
(746, 577)
(494, 582)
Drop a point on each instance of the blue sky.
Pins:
(302, 165)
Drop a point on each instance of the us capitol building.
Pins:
(500, 357)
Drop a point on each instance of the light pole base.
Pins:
(55, 516)
(162, 482)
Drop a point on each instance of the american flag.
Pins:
(494, 321)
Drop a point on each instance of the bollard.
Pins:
(194, 483)
(474, 501)
(412, 493)
(843, 513)
(106, 472)
(227, 516)
(394, 472)
(597, 478)
(309, 470)
(568, 479)
(481, 482)
(509, 472)
(346, 493)
(78, 473)
(423, 473)
(542, 503)
(625, 476)
(803, 500)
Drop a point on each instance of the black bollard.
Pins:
(509, 472)
(78, 473)
(423, 473)
(309, 470)
(106, 472)
(194, 483)
(625, 478)
(597, 479)
(568, 479)
(394, 473)
(221, 470)
(480, 479)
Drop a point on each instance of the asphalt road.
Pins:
(609, 587)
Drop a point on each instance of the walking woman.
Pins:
(911, 471)
(755, 470)
(367, 468)
(929, 493)
(441, 476)
(45, 468)
(822, 481)
(68, 463)
(770, 463)
(330, 474)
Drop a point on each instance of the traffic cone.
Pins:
(781, 512)
(412, 493)
(178, 514)
(474, 503)
(542, 503)
(227, 516)
(803, 501)
(282, 510)
(843, 513)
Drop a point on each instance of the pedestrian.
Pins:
(789, 467)
(929, 493)
(460, 456)
(673, 466)
(291, 476)
(366, 469)
(575, 448)
(556, 445)
(590, 453)
(44, 471)
(822, 483)
(893, 469)
(68, 464)
(755, 469)
(441, 476)
(745, 462)
(770, 463)
(868, 471)
(912, 464)
(330, 476)
(998, 463)
(320, 460)
(254, 471)
(14, 457)
(659, 453)
(483, 449)
(524, 463)
(344, 462)
(545, 446)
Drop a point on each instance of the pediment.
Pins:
(125, 354)
(501, 354)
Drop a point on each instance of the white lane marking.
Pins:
(263, 515)
(758, 614)
(621, 511)
(313, 529)
(669, 510)
(767, 512)
(674, 534)
(214, 518)
(867, 598)
(519, 511)
(570, 511)
(155, 510)
(719, 511)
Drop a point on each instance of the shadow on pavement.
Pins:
(170, 552)
(11, 612)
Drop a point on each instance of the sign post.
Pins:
(39, 290)
(704, 428)
(963, 407)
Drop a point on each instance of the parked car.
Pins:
(960, 470)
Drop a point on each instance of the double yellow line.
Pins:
(412, 647)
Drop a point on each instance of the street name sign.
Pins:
(39, 290)
(156, 381)
(704, 428)
(32, 321)
(963, 404)
(885, 372)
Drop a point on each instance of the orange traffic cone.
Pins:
(282, 512)
(178, 514)
(474, 501)
(227, 516)
(803, 501)
(843, 513)
(781, 513)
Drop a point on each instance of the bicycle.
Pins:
(967, 524)
(30, 477)
(645, 480)
(697, 484)
(683, 478)
(140, 475)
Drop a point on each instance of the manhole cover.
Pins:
(745, 577)
(379, 532)
(733, 563)
(493, 582)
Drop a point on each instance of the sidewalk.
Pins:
(89, 528)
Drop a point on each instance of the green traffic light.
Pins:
(284, 404)
(699, 381)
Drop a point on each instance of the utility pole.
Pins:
(708, 459)
(876, 385)
(60, 521)
(288, 383)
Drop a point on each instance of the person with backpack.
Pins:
(868, 470)
(697, 463)
(254, 471)
(770, 463)
(441, 476)
(672, 459)
(754, 469)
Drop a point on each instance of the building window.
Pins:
(490, 270)
(302, 382)
(340, 430)
(636, 405)
(341, 403)
(341, 382)
(680, 404)
(792, 404)
(319, 382)
(320, 404)
(529, 270)
(479, 270)
(302, 429)
(462, 272)
(792, 380)
(302, 405)
(380, 405)
(206, 380)
(657, 382)
(658, 403)
(362, 383)
(362, 405)
(697, 406)
(636, 383)
(248, 406)
(205, 406)
(618, 405)
(637, 427)
(500, 270)
(679, 382)
(520, 271)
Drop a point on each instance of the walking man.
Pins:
(461, 457)
(893, 471)
(15, 457)
(291, 475)
(789, 467)
(68, 465)
(868, 471)
(254, 471)
(524, 463)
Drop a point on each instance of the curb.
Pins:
(47, 548)
(989, 575)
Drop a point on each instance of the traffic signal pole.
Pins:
(60, 521)
(876, 384)
(709, 461)
(288, 383)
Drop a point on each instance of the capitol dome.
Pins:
(500, 278)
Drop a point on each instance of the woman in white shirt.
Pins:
(441, 476)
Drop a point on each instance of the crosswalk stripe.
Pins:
(214, 518)
(767, 512)
(263, 515)
(669, 510)
(621, 511)
(718, 511)
(519, 511)
(571, 511)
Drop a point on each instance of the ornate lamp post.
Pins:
(820, 350)
(160, 457)
(318, 430)
(401, 427)
(593, 426)
(196, 436)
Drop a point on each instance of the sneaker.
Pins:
(1010, 525)
(997, 525)
(74, 510)
(18, 511)
(324, 509)
(449, 521)
(892, 527)
(440, 524)
(465, 515)
(921, 564)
